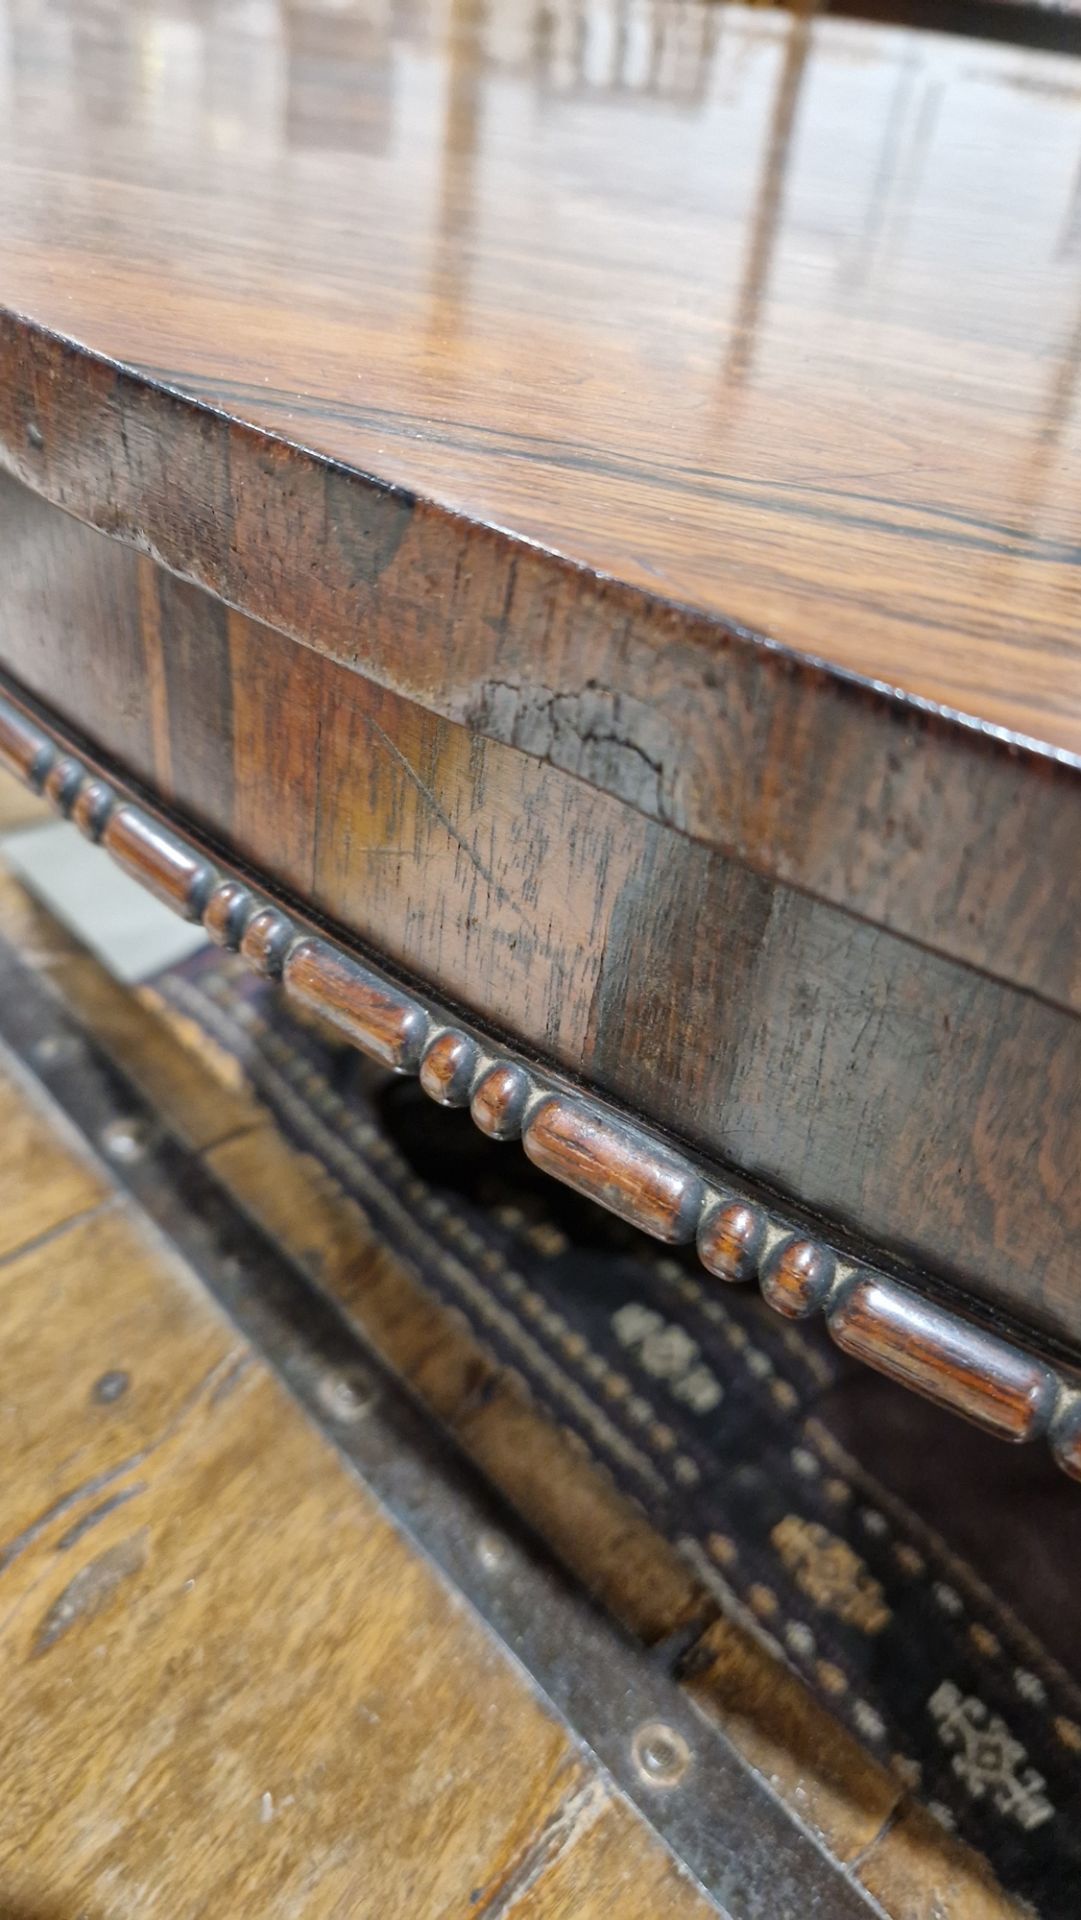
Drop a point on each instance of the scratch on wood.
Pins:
(232, 1378)
(446, 822)
(209, 1385)
(571, 1820)
(97, 1514)
(91, 1590)
(58, 1230)
(64, 1504)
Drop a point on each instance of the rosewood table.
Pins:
(554, 529)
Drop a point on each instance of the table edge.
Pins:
(773, 757)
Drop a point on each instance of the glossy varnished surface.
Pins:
(668, 321)
(772, 316)
(1008, 1393)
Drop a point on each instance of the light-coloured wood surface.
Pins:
(41, 1186)
(21, 808)
(229, 1685)
(862, 1816)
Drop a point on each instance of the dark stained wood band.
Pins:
(664, 978)
(891, 1327)
(688, 699)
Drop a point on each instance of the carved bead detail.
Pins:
(447, 1069)
(499, 1102)
(797, 1277)
(891, 1327)
(24, 750)
(91, 808)
(610, 1162)
(380, 1020)
(730, 1240)
(265, 940)
(944, 1358)
(227, 913)
(170, 869)
(62, 783)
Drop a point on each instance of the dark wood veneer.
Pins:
(886, 1086)
(902, 813)
(969, 1369)
(617, 563)
(592, 416)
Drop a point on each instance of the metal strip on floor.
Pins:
(720, 1818)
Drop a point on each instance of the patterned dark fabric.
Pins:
(921, 1578)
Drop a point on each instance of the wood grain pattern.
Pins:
(174, 1533)
(385, 1024)
(204, 1110)
(176, 876)
(851, 431)
(41, 1186)
(597, 1152)
(928, 1349)
(635, 1178)
(716, 427)
(566, 562)
(571, 1504)
(587, 1524)
(902, 1855)
(888, 1088)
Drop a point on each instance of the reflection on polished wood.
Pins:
(776, 319)
(558, 362)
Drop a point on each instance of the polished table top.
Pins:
(572, 473)
(776, 317)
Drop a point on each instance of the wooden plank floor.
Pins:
(229, 1684)
(309, 1613)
